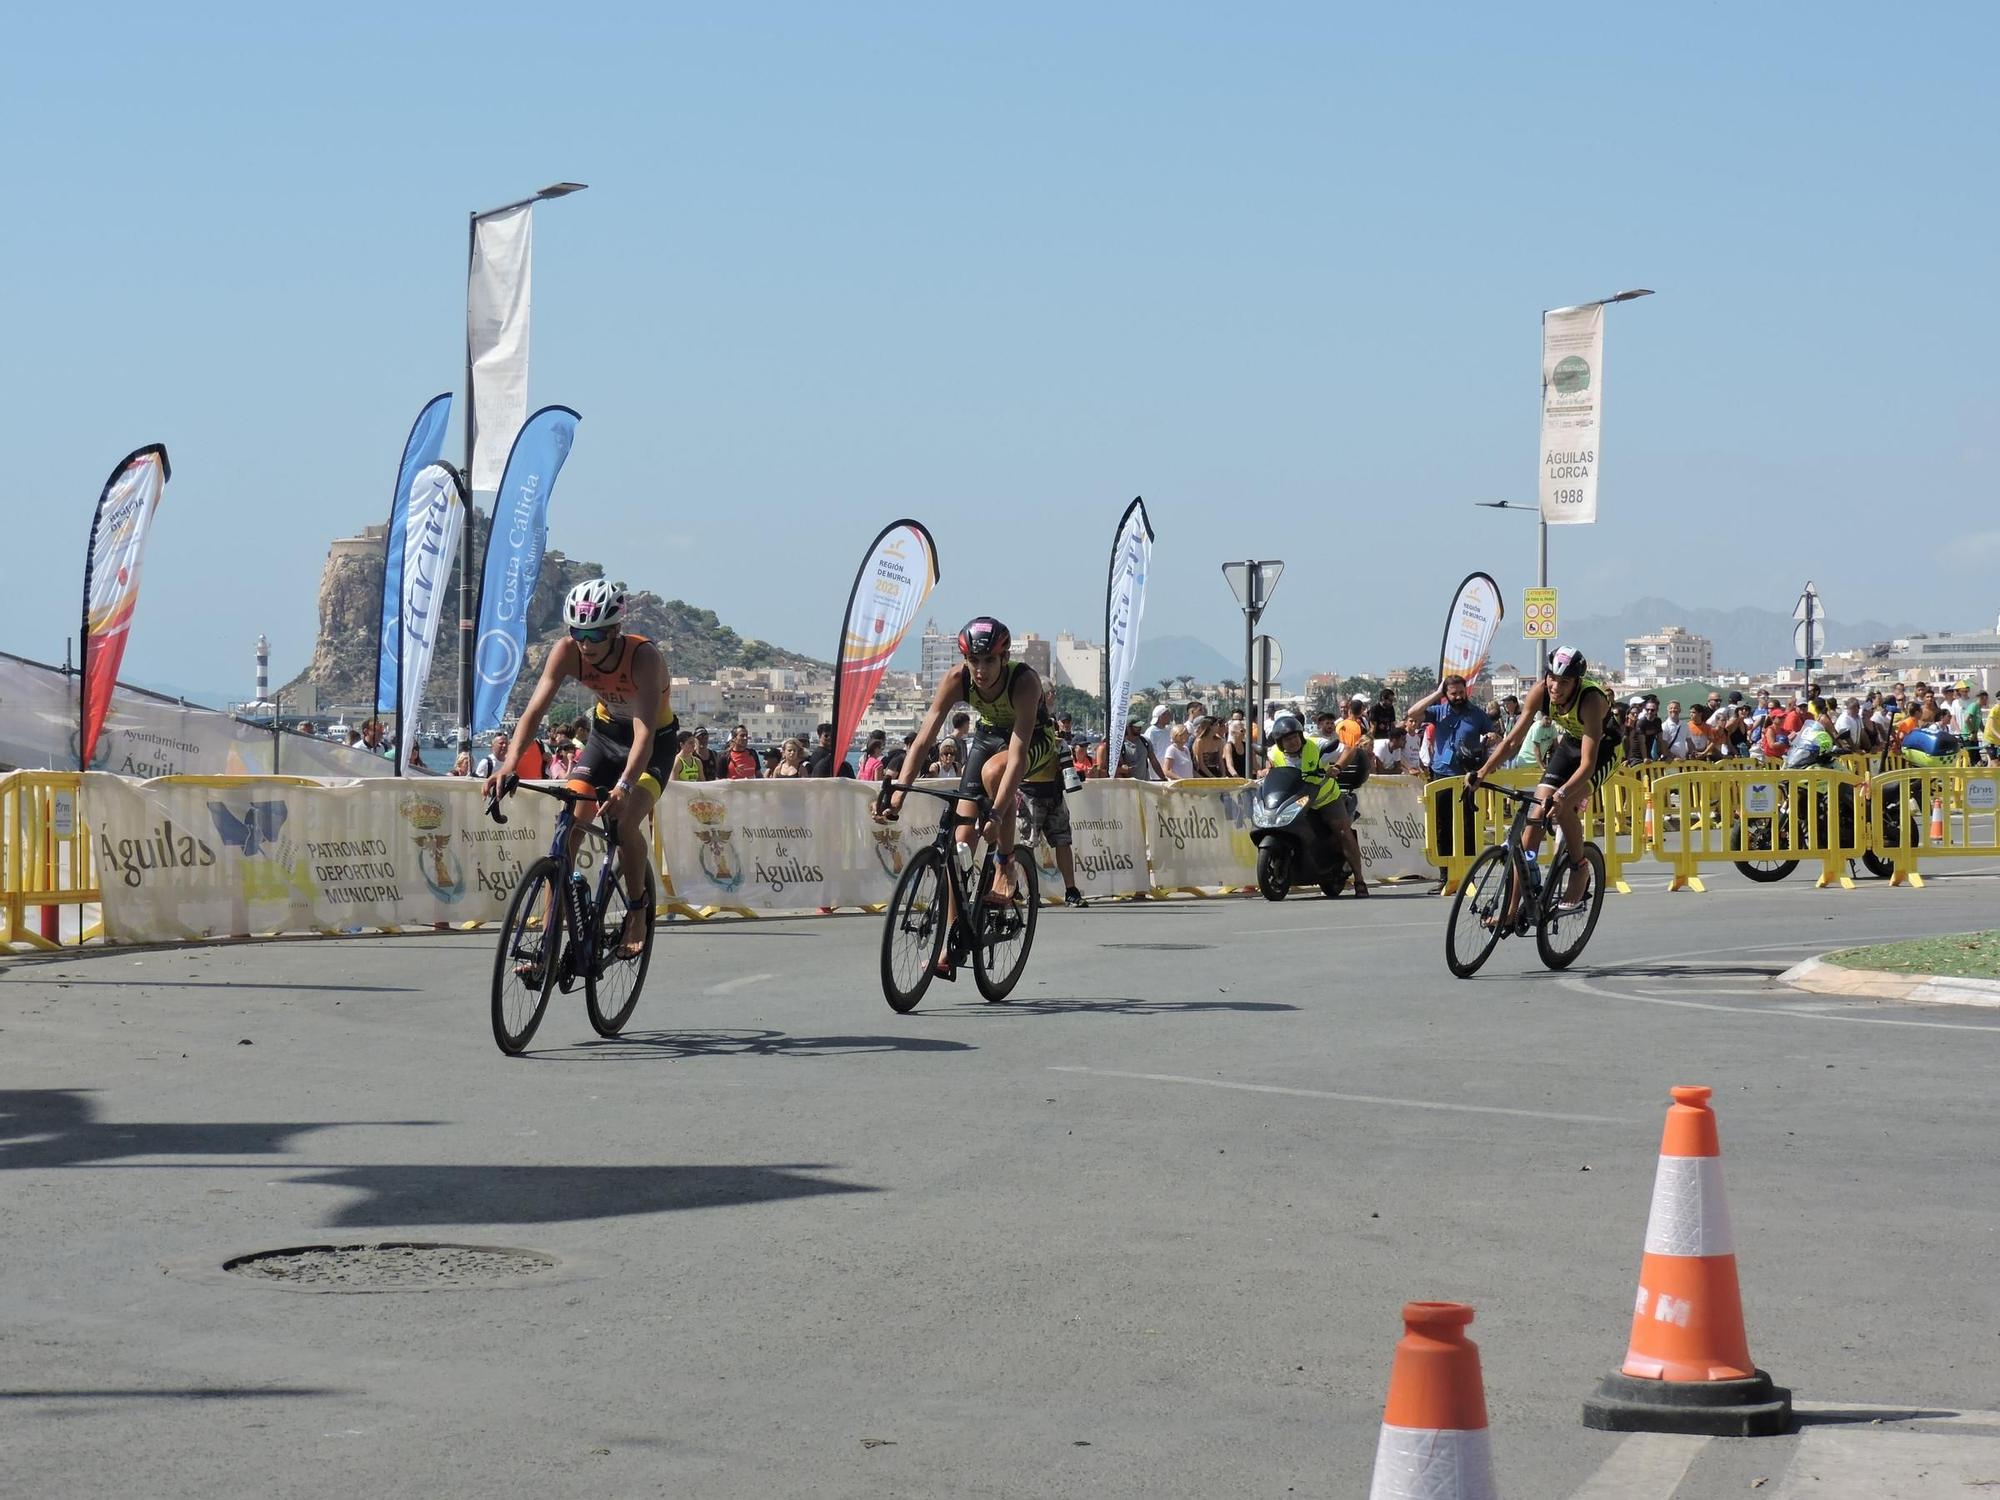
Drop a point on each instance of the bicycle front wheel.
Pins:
(1004, 934)
(1477, 912)
(1562, 927)
(913, 931)
(611, 984)
(524, 967)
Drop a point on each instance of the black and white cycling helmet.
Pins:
(1286, 724)
(1567, 662)
(594, 604)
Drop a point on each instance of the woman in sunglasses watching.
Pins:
(629, 754)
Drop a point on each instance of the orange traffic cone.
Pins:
(1433, 1444)
(1688, 1366)
(1649, 820)
(1937, 820)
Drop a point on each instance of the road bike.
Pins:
(559, 932)
(1479, 913)
(916, 929)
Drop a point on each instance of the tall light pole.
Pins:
(466, 624)
(1542, 569)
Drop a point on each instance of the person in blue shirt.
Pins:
(1458, 743)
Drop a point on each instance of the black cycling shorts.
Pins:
(1567, 754)
(986, 743)
(604, 756)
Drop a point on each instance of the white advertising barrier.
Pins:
(222, 857)
(148, 736)
(1199, 837)
(795, 845)
(1108, 842)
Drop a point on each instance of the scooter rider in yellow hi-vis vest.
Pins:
(1290, 746)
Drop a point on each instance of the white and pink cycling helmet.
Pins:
(594, 604)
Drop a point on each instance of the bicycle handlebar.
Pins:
(890, 788)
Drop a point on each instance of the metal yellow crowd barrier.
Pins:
(1690, 814)
(1942, 812)
(46, 862)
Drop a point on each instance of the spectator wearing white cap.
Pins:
(1161, 735)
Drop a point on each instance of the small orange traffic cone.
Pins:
(1687, 1368)
(1433, 1444)
(1649, 820)
(1937, 820)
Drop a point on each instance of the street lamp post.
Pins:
(466, 624)
(1542, 567)
(1252, 582)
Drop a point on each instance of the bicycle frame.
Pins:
(581, 920)
(962, 882)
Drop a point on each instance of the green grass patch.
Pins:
(1966, 955)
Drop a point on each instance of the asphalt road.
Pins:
(1144, 1232)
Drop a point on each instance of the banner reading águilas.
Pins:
(1124, 607)
(421, 448)
(222, 858)
(514, 557)
(1572, 412)
(1469, 628)
(896, 576)
(111, 578)
(437, 509)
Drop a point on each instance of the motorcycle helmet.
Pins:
(1285, 724)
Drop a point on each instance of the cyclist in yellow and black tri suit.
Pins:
(633, 732)
(1012, 739)
(1587, 750)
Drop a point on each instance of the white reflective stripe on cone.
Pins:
(1422, 1463)
(1690, 1213)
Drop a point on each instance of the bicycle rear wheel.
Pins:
(913, 931)
(1476, 912)
(612, 982)
(1563, 927)
(1004, 934)
(524, 966)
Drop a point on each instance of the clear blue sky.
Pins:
(1279, 270)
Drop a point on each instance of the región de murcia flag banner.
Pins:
(1572, 412)
(111, 579)
(896, 576)
(1469, 627)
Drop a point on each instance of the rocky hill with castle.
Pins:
(342, 670)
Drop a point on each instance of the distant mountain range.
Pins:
(1746, 640)
(1167, 656)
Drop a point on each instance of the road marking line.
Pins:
(741, 981)
(1646, 1466)
(1324, 931)
(1274, 1088)
(1936, 1411)
(1834, 1464)
(1572, 982)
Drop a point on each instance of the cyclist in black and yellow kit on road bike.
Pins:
(1587, 750)
(1012, 739)
(633, 732)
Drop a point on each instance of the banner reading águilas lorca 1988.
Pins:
(1572, 412)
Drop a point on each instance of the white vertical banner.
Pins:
(496, 337)
(1572, 412)
(1124, 607)
(436, 511)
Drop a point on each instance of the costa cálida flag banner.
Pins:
(425, 443)
(1572, 412)
(111, 579)
(897, 574)
(1124, 607)
(514, 558)
(497, 306)
(1469, 628)
(437, 510)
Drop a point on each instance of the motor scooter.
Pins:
(1294, 847)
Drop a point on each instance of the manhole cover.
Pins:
(1160, 947)
(400, 1266)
